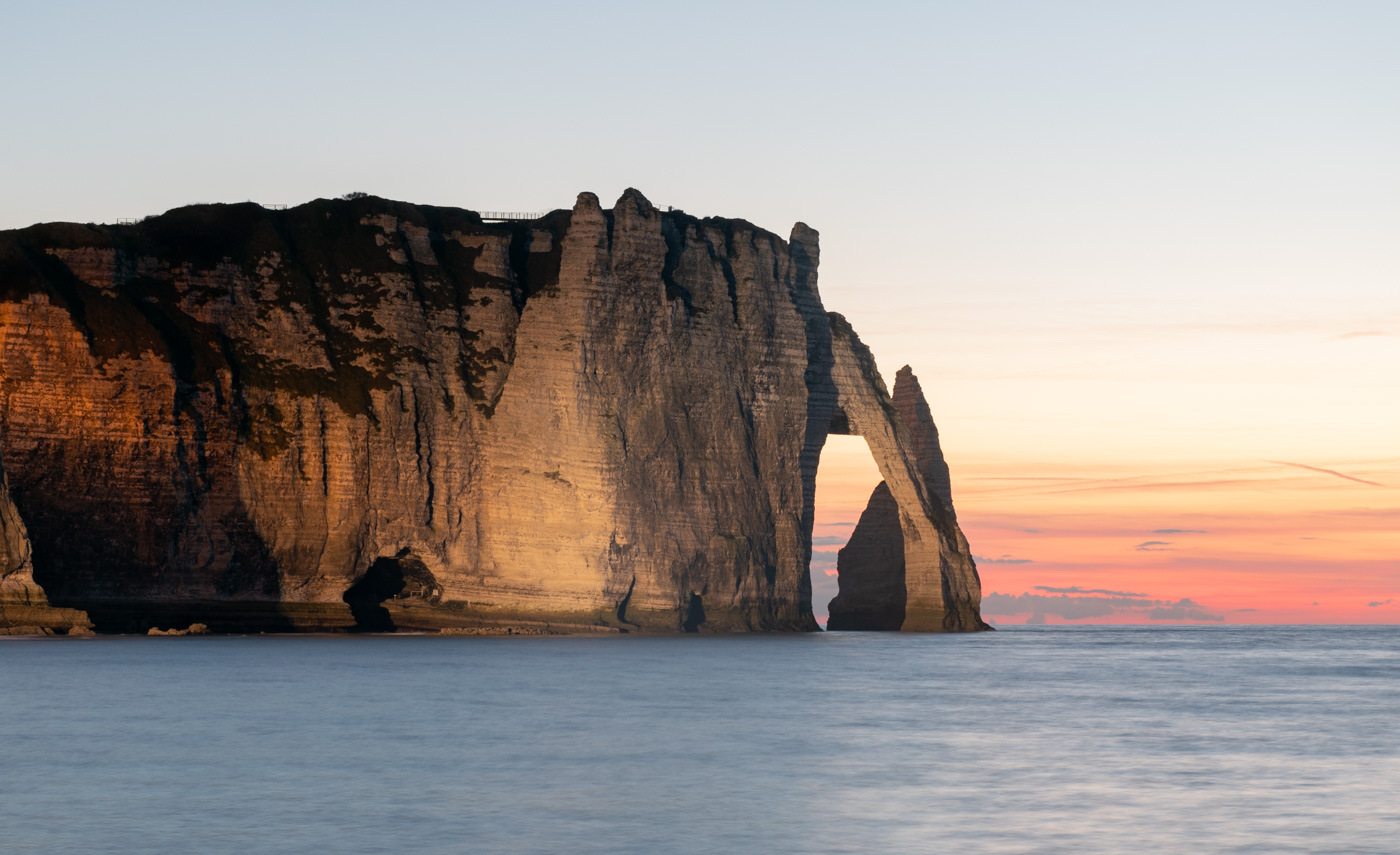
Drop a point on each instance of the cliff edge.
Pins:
(370, 415)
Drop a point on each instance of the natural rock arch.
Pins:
(586, 420)
(907, 565)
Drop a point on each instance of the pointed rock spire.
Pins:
(908, 399)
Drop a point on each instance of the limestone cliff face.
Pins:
(367, 414)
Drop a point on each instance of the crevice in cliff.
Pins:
(694, 614)
(537, 269)
(423, 452)
(324, 435)
(822, 405)
(732, 284)
(626, 600)
(675, 248)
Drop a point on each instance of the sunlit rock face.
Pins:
(372, 415)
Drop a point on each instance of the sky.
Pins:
(1141, 255)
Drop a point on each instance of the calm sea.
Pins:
(1035, 740)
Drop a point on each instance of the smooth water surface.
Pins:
(1035, 740)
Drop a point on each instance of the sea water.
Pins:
(1034, 740)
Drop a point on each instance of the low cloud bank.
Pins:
(1083, 604)
(1003, 559)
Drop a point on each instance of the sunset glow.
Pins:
(1142, 257)
(1262, 543)
(1223, 433)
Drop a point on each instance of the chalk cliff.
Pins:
(365, 414)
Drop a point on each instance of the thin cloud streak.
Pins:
(1268, 477)
(1254, 476)
(1361, 334)
(1328, 472)
(1023, 478)
(1118, 485)
(1075, 589)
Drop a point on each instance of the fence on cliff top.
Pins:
(499, 216)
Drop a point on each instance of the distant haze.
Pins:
(1142, 256)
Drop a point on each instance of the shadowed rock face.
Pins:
(870, 570)
(606, 419)
(24, 610)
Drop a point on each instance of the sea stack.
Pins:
(361, 414)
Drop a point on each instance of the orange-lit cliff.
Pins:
(374, 415)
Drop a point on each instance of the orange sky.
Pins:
(1256, 542)
(1134, 252)
(1207, 424)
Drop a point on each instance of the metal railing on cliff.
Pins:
(500, 216)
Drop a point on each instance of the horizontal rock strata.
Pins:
(369, 415)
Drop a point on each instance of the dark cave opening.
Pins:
(403, 578)
(384, 579)
(694, 614)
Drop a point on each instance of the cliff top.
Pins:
(243, 225)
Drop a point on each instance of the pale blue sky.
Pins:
(1006, 191)
(1122, 240)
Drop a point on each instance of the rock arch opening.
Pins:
(906, 566)
(846, 477)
